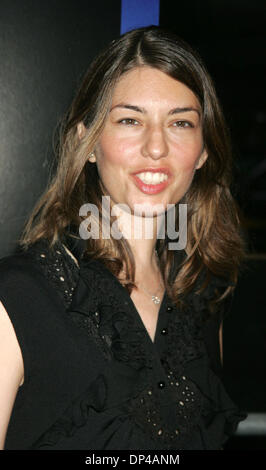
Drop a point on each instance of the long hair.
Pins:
(214, 245)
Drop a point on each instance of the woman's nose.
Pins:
(155, 144)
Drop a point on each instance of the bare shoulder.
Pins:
(8, 340)
(11, 370)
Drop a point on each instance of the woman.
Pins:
(111, 335)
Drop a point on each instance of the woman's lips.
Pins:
(151, 188)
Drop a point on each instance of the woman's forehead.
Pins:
(151, 86)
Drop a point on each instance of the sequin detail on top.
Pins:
(188, 402)
(58, 267)
(147, 412)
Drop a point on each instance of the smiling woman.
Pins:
(116, 342)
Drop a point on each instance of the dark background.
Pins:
(45, 47)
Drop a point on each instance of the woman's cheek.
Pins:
(116, 151)
(188, 155)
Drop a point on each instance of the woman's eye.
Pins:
(128, 121)
(183, 124)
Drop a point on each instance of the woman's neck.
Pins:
(141, 235)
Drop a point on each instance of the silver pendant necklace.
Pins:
(156, 300)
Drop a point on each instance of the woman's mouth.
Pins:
(151, 182)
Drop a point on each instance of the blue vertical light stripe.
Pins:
(138, 13)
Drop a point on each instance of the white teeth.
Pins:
(152, 178)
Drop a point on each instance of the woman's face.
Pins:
(151, 144)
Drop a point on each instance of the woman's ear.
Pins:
(202, 159)
(81, 129)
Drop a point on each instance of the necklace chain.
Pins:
(155, 299)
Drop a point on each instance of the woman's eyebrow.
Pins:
(144, 111)
(129, 106)
(187, 109)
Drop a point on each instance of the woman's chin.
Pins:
(148, 210)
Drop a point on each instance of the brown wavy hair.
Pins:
(215, 245)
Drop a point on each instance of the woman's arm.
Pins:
(11, 371)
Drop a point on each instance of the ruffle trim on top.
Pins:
(96, 298)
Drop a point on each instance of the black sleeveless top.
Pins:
(94, 379)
